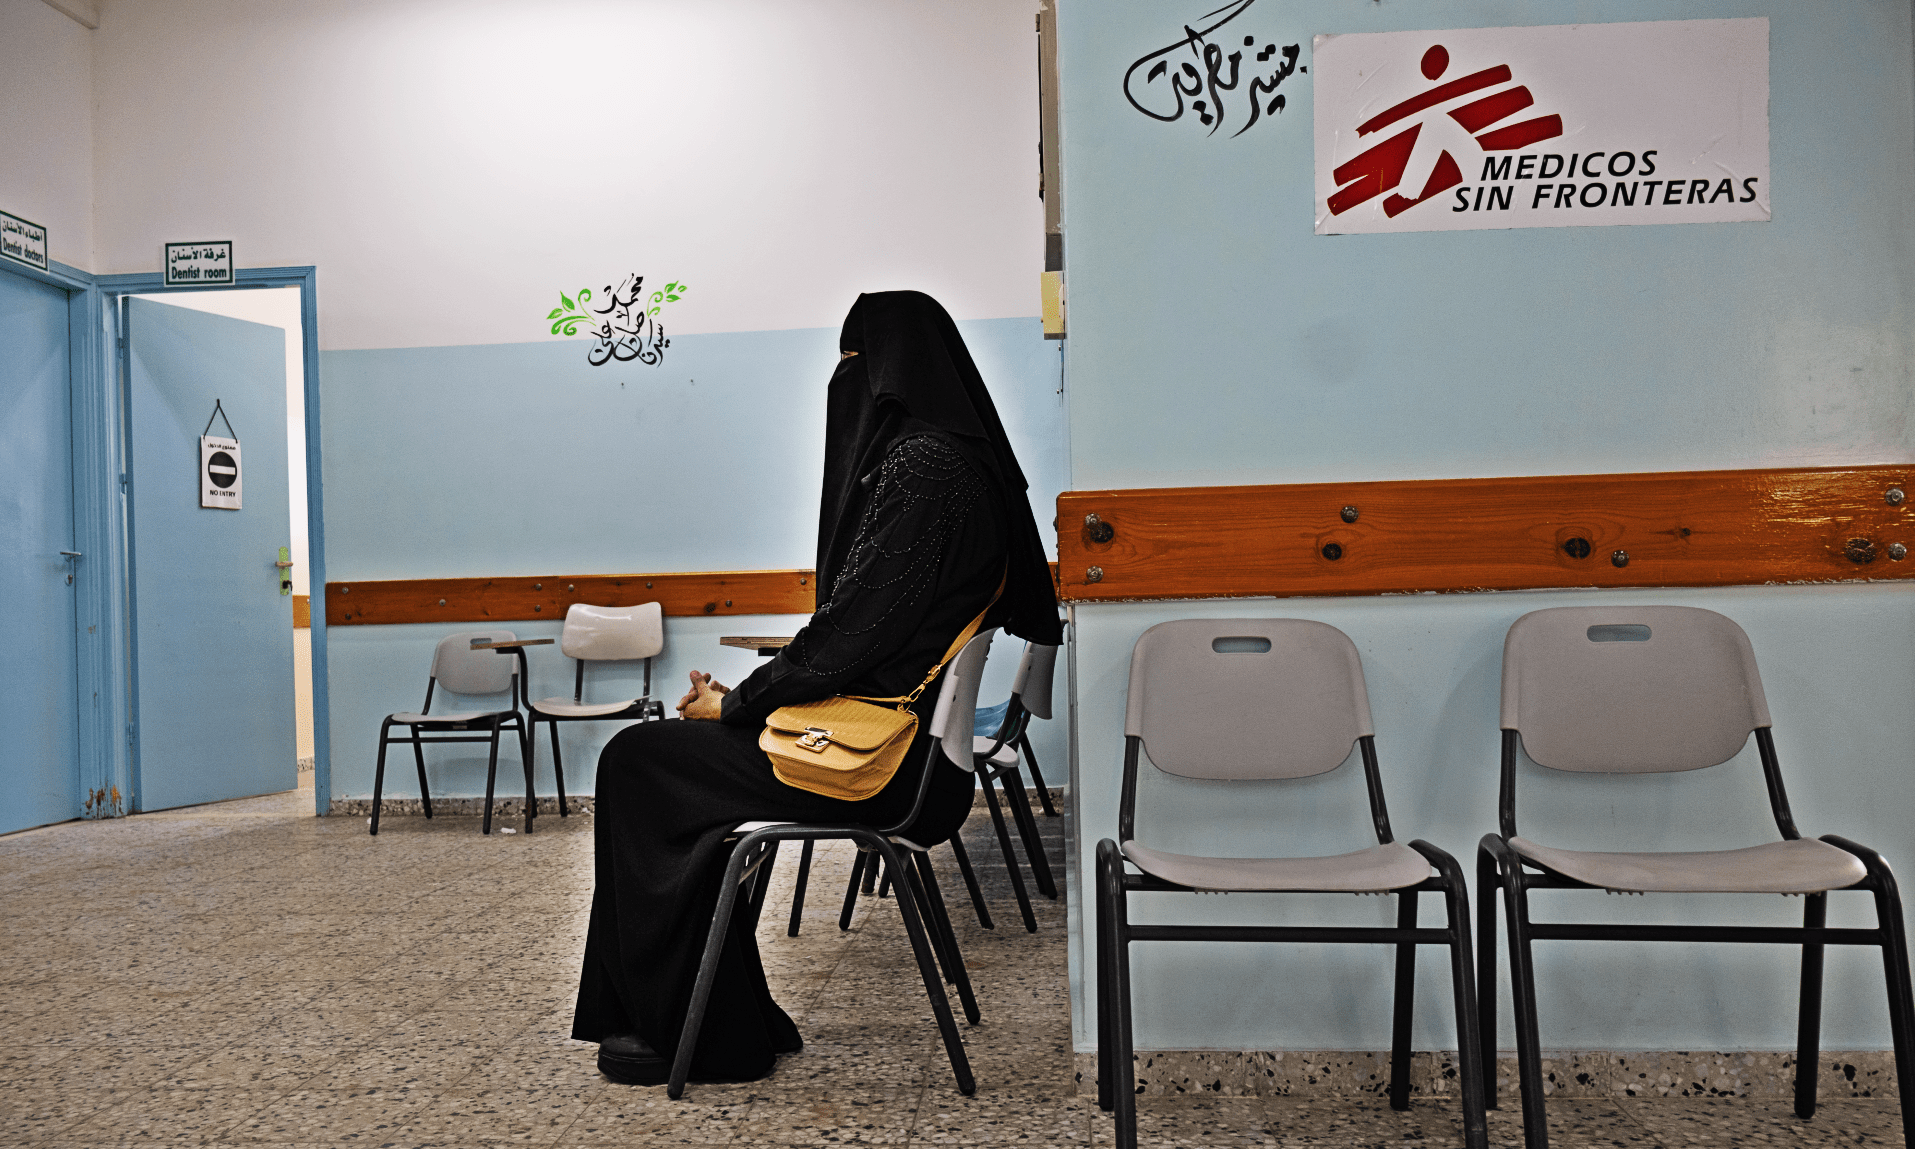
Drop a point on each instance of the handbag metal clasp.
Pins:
(815, 739)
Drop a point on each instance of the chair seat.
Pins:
(1006, 754)
(1802, 866)
(410, 719)
(1386, 867)
(566, 708)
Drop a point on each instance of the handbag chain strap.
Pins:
(904, 701)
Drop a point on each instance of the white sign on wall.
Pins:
(1574, 125)
(23, 241)
(219, 472)
(199, 264)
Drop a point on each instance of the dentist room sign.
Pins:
(1577, 125)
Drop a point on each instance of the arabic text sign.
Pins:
(1572, 125)
(23, 241)
(199, 264)
(219, 473)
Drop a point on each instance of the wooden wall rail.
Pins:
(547, 596)
(1694, 528)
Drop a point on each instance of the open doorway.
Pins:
(280, 307)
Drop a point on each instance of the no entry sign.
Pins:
(219, 472)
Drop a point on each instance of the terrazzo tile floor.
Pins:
(245, 974)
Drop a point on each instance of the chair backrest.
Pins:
(956, 711)
(463, 670)
(601, 633)
(1630, 689)
(1243, 698)
(1033, 682)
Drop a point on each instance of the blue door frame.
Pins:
(102, 482)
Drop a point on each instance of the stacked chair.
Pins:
(1253, 699)
(1656, 689)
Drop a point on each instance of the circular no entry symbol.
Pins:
(221, 469)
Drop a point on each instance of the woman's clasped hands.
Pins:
(706, 699)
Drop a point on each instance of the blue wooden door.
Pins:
(213, 636)
(39, 718)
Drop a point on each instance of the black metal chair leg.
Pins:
(1901, 1002)
(1487, 889)
(859, 865)
(1522, 992)
(884, 885)
(1105, 887)
(913, 891)
(1808, 1029)
(963, 857)
(491, 774)
(1123, 1072)
(871, 879)
(798, 894)
(1462, 987)
(419, 760)
(760, 886)
(525, 761)
(707, 973)
(914, 927)
(379, 773)
(558, 767)
(1901, 1005)
(955, 971)
(1405, 1002)
(1010, 858)
(1019, 801)
(1037, 777)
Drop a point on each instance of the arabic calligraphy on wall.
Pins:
(626, 328)
(1208, 65)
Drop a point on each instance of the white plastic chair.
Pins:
(1265, 699)
(1646, 690)
(599, 634)
(474, 673)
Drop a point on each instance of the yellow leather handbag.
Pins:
(848, 746)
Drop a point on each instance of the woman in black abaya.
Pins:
(923, 510)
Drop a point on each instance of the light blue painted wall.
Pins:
(520, 459)
(1214, 339)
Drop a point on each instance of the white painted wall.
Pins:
(452, 166)
(46, 126)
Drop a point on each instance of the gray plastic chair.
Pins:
(1260, 699)
(598, 634)
(465, 671)
(1655, 689)
(756, 847)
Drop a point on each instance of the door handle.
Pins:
(73, 554)
(70, 556)
(285, 565)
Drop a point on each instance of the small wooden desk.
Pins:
(765, 646)
(513, 644)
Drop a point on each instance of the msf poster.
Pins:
(1577, 125)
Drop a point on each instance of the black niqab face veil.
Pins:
(910, 374)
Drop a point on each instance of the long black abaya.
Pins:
(935, 529)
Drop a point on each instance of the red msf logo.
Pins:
(1381, 168)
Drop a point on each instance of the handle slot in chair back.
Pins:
(1294, 710)
(1630, 689)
